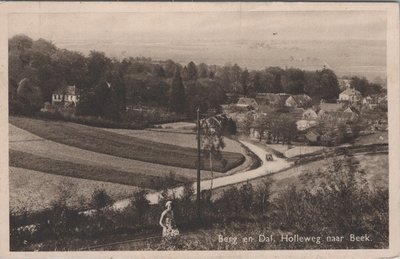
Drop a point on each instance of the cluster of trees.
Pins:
(107, 85)
(38, 68)
(365, 87)
(274, 128)
(319, 84)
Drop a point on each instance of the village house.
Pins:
(339, 116)
(344, 83)
(67, 95)
(298, 101)
(370, 102)
(271, 99)
(330, 107)
(350, 95)
(351, 109)
(247, 102)
(305, 124)
(313, 136)
(367, 100)
(310, 114)
(382, 98)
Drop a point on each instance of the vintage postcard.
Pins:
(199, 129)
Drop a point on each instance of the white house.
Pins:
(67, 95)
(310, 114)
(350, 95)
(344, 83)
(247, 102)
(305, 124)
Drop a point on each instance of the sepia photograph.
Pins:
(174, 129)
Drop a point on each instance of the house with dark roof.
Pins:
(305, 124)
(339, 116)
(271, 99)
(312, 136)
(310, 114)
(351, 109)
(298, 101)
(245, 101)
(330, 107)
(67, 95)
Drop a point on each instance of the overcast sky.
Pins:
(164, 27)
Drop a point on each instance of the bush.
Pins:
(90, 120)
(100, 199)
(335, 201)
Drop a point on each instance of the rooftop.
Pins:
(68, 89)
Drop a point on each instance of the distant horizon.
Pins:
(348, 42)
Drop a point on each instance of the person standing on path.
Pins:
(167, 222)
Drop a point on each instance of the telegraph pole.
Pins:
(198, 166)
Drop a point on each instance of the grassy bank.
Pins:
(106, 174)
(36, 191)
(106, 142)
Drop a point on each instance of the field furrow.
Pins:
(53, 150)
(99, 173)
(101, 141)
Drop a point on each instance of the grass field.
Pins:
(376, 138)
(187, 139)
(301, 150)
(22, 140)
(34, 191)
(101, 141)
(173, 138)
(99, 173)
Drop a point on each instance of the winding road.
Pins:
(267, 167)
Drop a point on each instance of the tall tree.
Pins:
(293, 81)
(158, 71)
(235, 73)
(203, 70)
(256, 82)
(29, 95)
(322, 84)
(364, 86)
(97, 65)
(205, 94)
(192, 71)
(212, 141)
(244, 80)
(185, 74)
(177, 95)
(274, 84)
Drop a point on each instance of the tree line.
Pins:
(108, 85)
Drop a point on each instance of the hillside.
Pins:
(101, 141)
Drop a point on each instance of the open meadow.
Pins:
(24, 141)
(85, 171)
(186, 138)
(101, 141)
(33, 191)
(171, 137)
(375, 138)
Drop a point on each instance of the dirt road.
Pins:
(266, 167)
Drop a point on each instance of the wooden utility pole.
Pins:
(198, 167)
